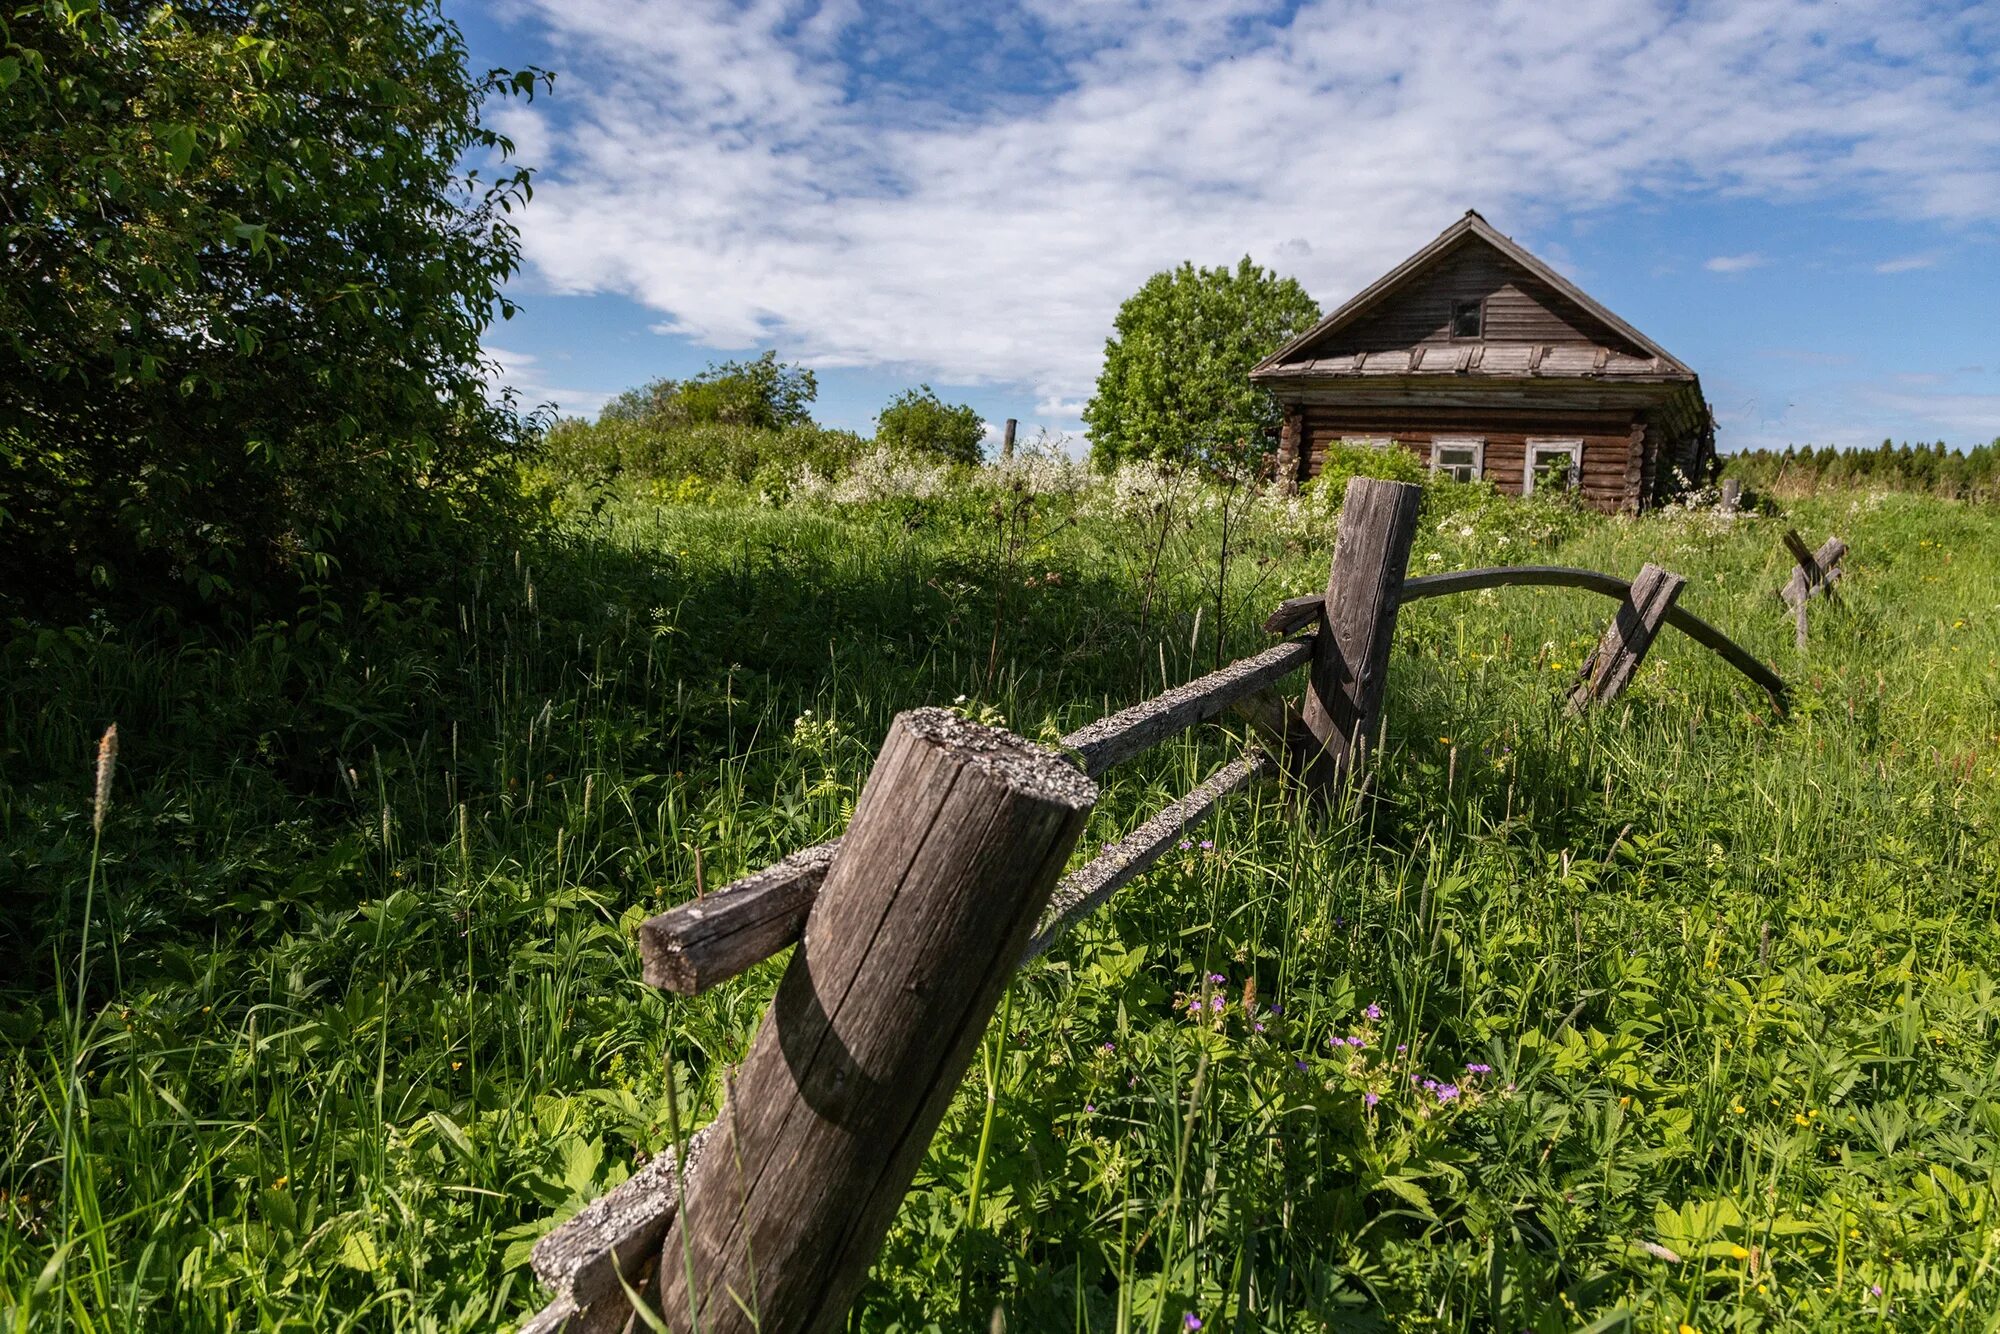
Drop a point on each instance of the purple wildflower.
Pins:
(1190, 1321)
(1216, 1003)
(1107, 1049)
(1371, 1098)
(1372, 1012)
(1090, 1107)
(1874, 1289)
(1402, 1047)
(1477, 1069)
(1207, 845)
(1300, 1064)
(1217, 979)
(1257, 1027)
(1277, 1009)
(1357, 1041)
(1447, 1092)
(1186, 843)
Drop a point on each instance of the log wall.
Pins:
(1611, 466)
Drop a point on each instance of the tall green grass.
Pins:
(360, 1012)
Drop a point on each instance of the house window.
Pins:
(1468, 319)
(1461, 460)
(1556, 464)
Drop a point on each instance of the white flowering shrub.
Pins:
(880, 474)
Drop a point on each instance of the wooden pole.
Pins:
(1291, 434)
(1350, 665)
(1007, 442)
(1732, 495)
(959, 835)
(1632, 630)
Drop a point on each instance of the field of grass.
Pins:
(1674, 1014)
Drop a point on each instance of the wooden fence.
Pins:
(948, 878)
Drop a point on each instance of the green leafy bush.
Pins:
(1175, 384)
(917, 421)
(247, 273)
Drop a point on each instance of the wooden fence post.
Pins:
(1350, 665)
(1813, 572)
(1007, 442)
(1732, 495)
(1618, 654)
(960, 833)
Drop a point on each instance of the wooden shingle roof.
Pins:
(1621, 352)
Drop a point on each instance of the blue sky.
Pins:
(1800, 200)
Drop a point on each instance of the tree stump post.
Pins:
(1611, 665)
(1291, 440)
(1007, 442)
(1732, 495)
(960, 834)
(1350, 665)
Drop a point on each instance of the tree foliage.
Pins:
(1175, 384)
(919, 421)
(246, 275)
(764, 393)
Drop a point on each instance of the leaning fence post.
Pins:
(1618, 654)
(959, 835)
(1350, 665)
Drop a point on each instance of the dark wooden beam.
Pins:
(1350, 664)
(959, 835)
(1633, 627)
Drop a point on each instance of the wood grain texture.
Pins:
(959, 835)
(694, 945)
(1350, 662)
(1119, 737)
(1085, 889)
(617, 1234)
(1610, 585)
(1635, 624)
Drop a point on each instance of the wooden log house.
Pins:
(1487, 363)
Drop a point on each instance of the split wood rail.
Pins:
(908, 927)
(1816, 572)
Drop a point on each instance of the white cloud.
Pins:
(1734, 263)
(740, 169)
(528, 378)
(1906, 263)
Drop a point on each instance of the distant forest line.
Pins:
(1972, 474)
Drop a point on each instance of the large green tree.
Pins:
(919, 421)
(250, 249)
(1176, 378)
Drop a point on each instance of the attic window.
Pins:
(1467, 319)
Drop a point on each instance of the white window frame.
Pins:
(1475, 443)
(1571, 447)
(1367, 441)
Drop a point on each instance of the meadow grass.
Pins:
(1676, 1013)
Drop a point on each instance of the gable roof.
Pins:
(1378, 293)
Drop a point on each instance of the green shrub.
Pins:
(241, 312)
(917, 421)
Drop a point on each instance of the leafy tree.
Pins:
(250, 249)
(764, 393)
(918, 420)
(1175, 383)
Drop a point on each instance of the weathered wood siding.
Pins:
(1520, 308)
(1611, 465)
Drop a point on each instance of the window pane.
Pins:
(1465, 321)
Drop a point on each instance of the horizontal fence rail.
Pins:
(706, 941)
(1295, 612)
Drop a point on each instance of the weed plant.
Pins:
(1678, 1013)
